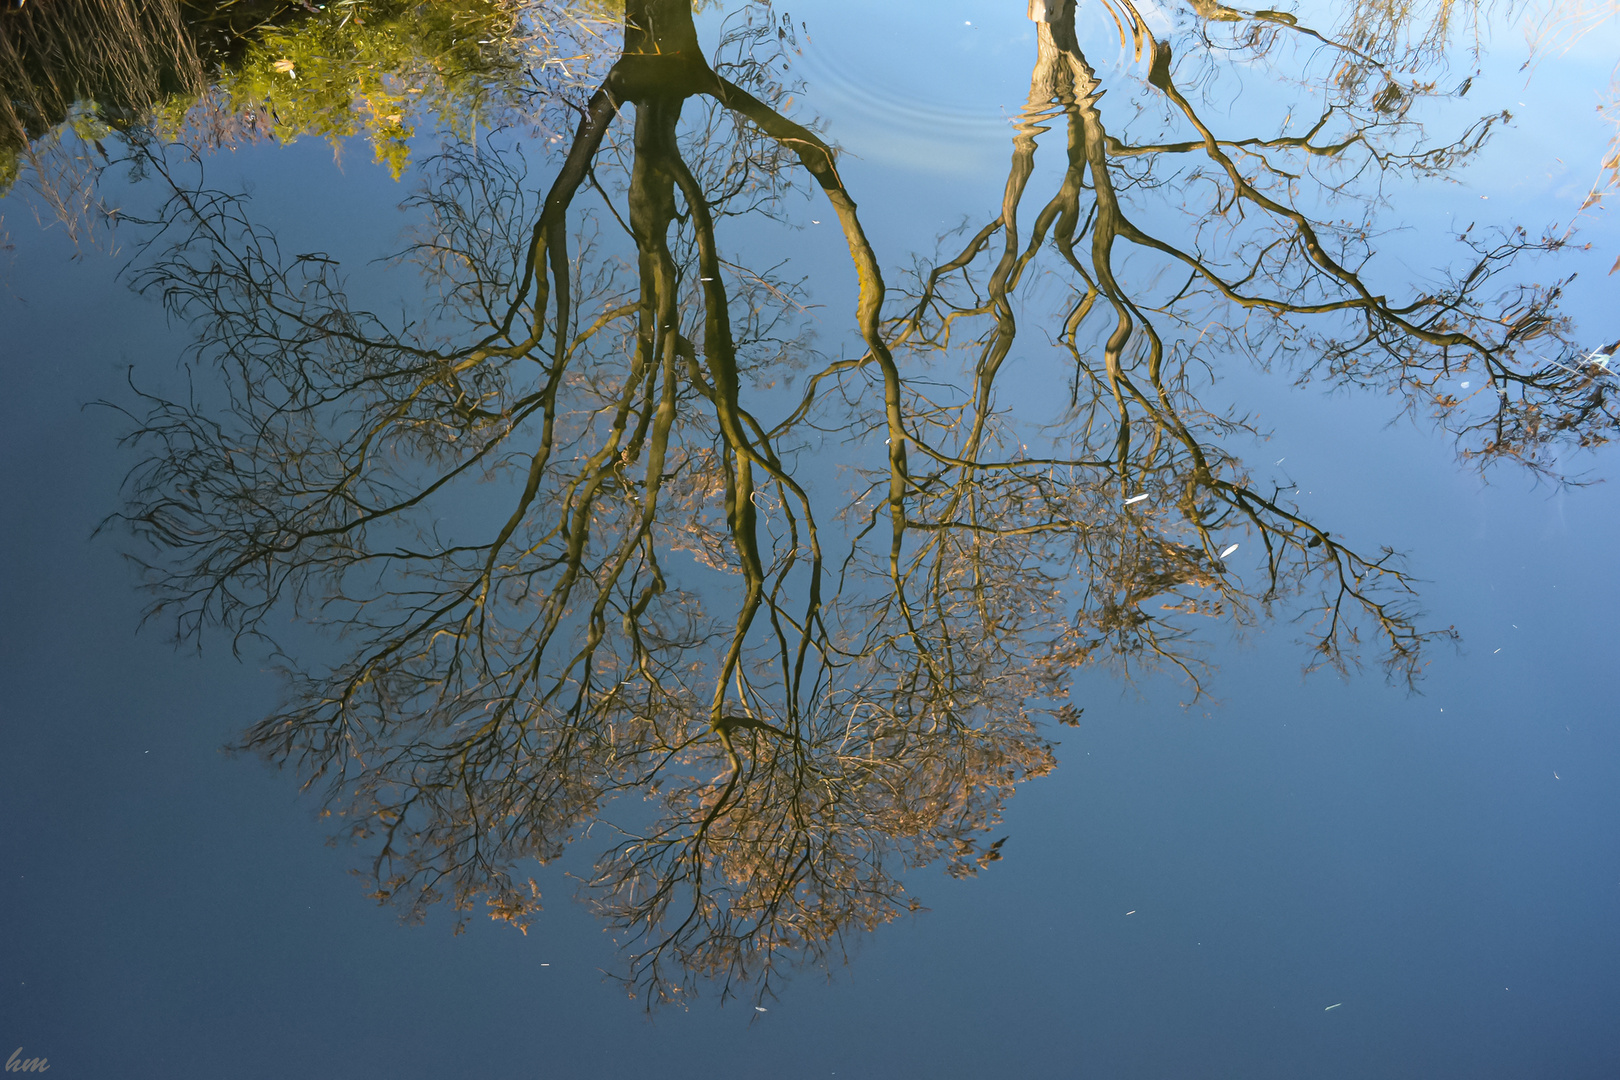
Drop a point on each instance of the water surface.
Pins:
(951, 540)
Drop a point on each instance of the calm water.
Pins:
(944, 540)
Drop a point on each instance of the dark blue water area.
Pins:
(1294, 876)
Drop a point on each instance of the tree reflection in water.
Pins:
(661, 619)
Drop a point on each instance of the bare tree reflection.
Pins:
(584, 580)
(515, 670)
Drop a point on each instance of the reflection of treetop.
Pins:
(831, 689)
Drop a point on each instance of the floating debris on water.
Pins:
(1229, 551)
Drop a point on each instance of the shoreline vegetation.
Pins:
(76, 72)
(213, 74)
